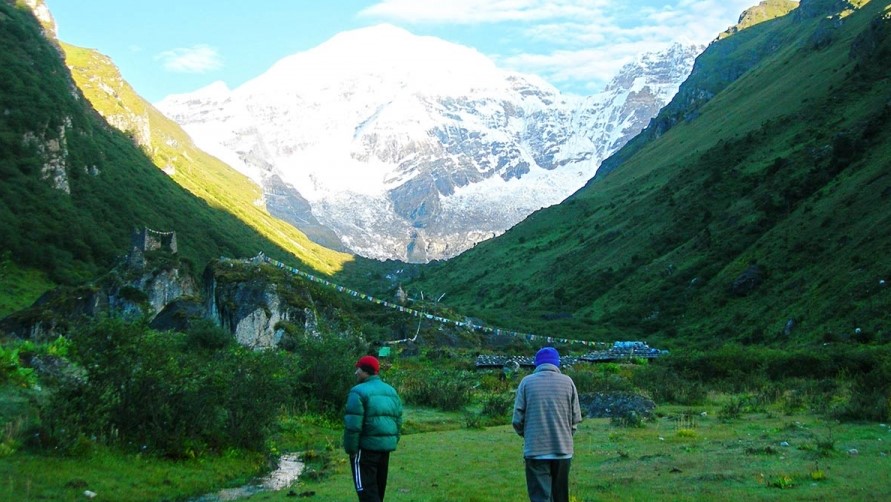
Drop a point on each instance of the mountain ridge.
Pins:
(434, 156)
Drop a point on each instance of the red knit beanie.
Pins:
(369, 364)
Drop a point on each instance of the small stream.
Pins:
(289, 469)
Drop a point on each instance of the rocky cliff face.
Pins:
(402, 153)
(139, 288)
(240, 296)
(43, 14)
(54, 153)
(251, 310)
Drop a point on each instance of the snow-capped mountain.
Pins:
(413, 148)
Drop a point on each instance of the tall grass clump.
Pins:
(447, 390)
(600, 378)
(848, 382)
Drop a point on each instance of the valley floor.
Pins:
(684, 454)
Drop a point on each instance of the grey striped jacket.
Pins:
(547, 412)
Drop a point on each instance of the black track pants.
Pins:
(370, 474)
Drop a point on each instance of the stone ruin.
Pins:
(145, 240)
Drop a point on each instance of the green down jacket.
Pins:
(373, 417)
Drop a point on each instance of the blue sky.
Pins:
(173, 46)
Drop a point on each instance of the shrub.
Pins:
(146, 390)
(629, 418)
(11, 437)
(446, 390)
(665, 385)
(735, 408)
(473, 421)
(783, 482)
(325, 371)
(204, 334)
(12, 371)
(870, 393)
(605, 378)
(686, 433)
(498, 405)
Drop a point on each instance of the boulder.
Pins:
(615, 404)
(747, 281)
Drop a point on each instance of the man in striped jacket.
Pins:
(546, 414)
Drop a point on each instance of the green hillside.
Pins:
(772, 159)
(72, 187)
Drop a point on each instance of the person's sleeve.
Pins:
(352, 422)
(398, 418)
(576, 409)
(519, 419)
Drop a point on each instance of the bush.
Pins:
(629, 418)
(144, 389)
(599, 378)
(204, 334)
(665, 385)
(325, 371)
(849, 382)
(498, 405)
(12, 371)
(445, 390)
(473, 421)
(732, 409)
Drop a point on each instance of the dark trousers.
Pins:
(548, 480)
(370, 474)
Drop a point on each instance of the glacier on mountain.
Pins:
(413, 148)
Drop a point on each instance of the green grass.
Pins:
(686, 453)
(20, 286)
(119, 477)
(740, 459)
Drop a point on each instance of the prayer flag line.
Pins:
(414, 312)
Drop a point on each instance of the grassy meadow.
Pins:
(684, 453)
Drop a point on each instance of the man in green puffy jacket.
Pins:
(372, 424)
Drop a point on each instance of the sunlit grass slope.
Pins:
(171, 149)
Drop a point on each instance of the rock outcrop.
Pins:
(257, 303)
(615, 404)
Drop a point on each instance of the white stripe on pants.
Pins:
(357, 475)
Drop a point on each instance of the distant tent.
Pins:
(384, 352)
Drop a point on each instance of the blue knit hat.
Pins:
(547, 355)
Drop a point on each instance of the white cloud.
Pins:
(482, 11)
(195, 59)
(576, 44)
